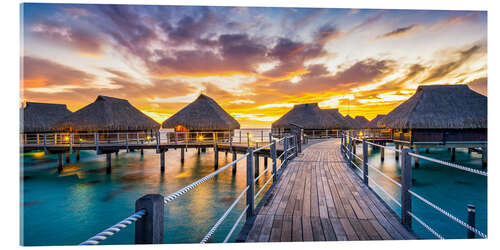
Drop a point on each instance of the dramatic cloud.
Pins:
(445, 69)
(38, 73)
(399, 32)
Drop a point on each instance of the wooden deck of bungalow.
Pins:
(319, 198)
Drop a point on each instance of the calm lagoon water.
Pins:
(69, 207)
(449, 188)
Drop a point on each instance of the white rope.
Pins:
(200, 181)
(384, 175)
(262, 174)
(449, 215)
(426, 226)
(96, 239)
(382, 146)
(263, 147)
(235, 224)
(263, 186)
(471, 170)
(383, 190)
(223, 217)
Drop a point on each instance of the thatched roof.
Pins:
(440, 107)
(308, 116)
(204, 114)
(107, 114)
(39, 117)
(362, 121)
(352, 124)
(338, 119)
(375, 122)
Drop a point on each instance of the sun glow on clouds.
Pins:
(276, 105)
(256, 117)
(242, 102)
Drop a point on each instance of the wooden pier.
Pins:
(318, 198)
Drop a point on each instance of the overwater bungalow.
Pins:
(336, 116)
(201, 116)
(451, 116)
(352, 124)
(39, 117)
(313, 120)
(362, 121)
(374, 123)
(377, 130)
(107, 114)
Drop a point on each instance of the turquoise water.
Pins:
(449, 188)
(69, 207)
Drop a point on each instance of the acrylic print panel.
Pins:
(188, 124)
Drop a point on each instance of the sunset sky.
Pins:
(255, 62)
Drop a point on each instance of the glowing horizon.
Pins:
(255, 62)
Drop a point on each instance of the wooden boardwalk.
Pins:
(318, 198)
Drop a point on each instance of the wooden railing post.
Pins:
(273, 157)
(149, 229)
(71, 138)
(285, 151)
(45, 142)
(365, 162)
(406, 180)
(157, 141)
(96, 141)
(262, 135)
(240, 136)
(250, 183)
(471, 220)
(349, 152)
(126, 142)
(248, 139)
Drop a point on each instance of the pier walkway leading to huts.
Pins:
(318, 198)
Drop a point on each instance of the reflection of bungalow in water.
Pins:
(315, 121)
(451, 116)
(201, 116)
(39, 117)
(107, 115)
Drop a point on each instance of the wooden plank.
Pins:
(286, 230)
(339, 230)
(370, 230)
(297, 228)
(276, 229)
(253, 235)
(348, 229)
(317, 229)
(328, 230)
(362, 235)
(265, 232)
(307, 234)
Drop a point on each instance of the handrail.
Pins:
(250, 185)
(348, 151)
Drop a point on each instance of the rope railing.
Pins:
(154, 221)
(223, 217)
(430, 229)
(406, 192)
(453, 165)
(96, 239)
(263, 186)
(235, 224)
(187, 188)
(449, 215)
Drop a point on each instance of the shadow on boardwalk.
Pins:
(319, 198)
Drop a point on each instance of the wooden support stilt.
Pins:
(59, 162)
(396, 154)
(427, 150)
(417, 163)
(265, 161)
(484, 157)
(469, 150)
(198, 150)
(142, 152)
(382, 152)
(182, 155)
(256, 156)
(203, 150)
(216, 157)
(234, 159)
(78, 155)
(162, 161)
(453, 158)
(354, 147)
(116, 154)
(68, 157)
(108, 163)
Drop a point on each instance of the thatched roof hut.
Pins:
(204, 114)
(308, 116)
(39, 117)
(337, 118)
(375, 122)
(440, 107)
(352, 124)
(107, 114)
(362, 121)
